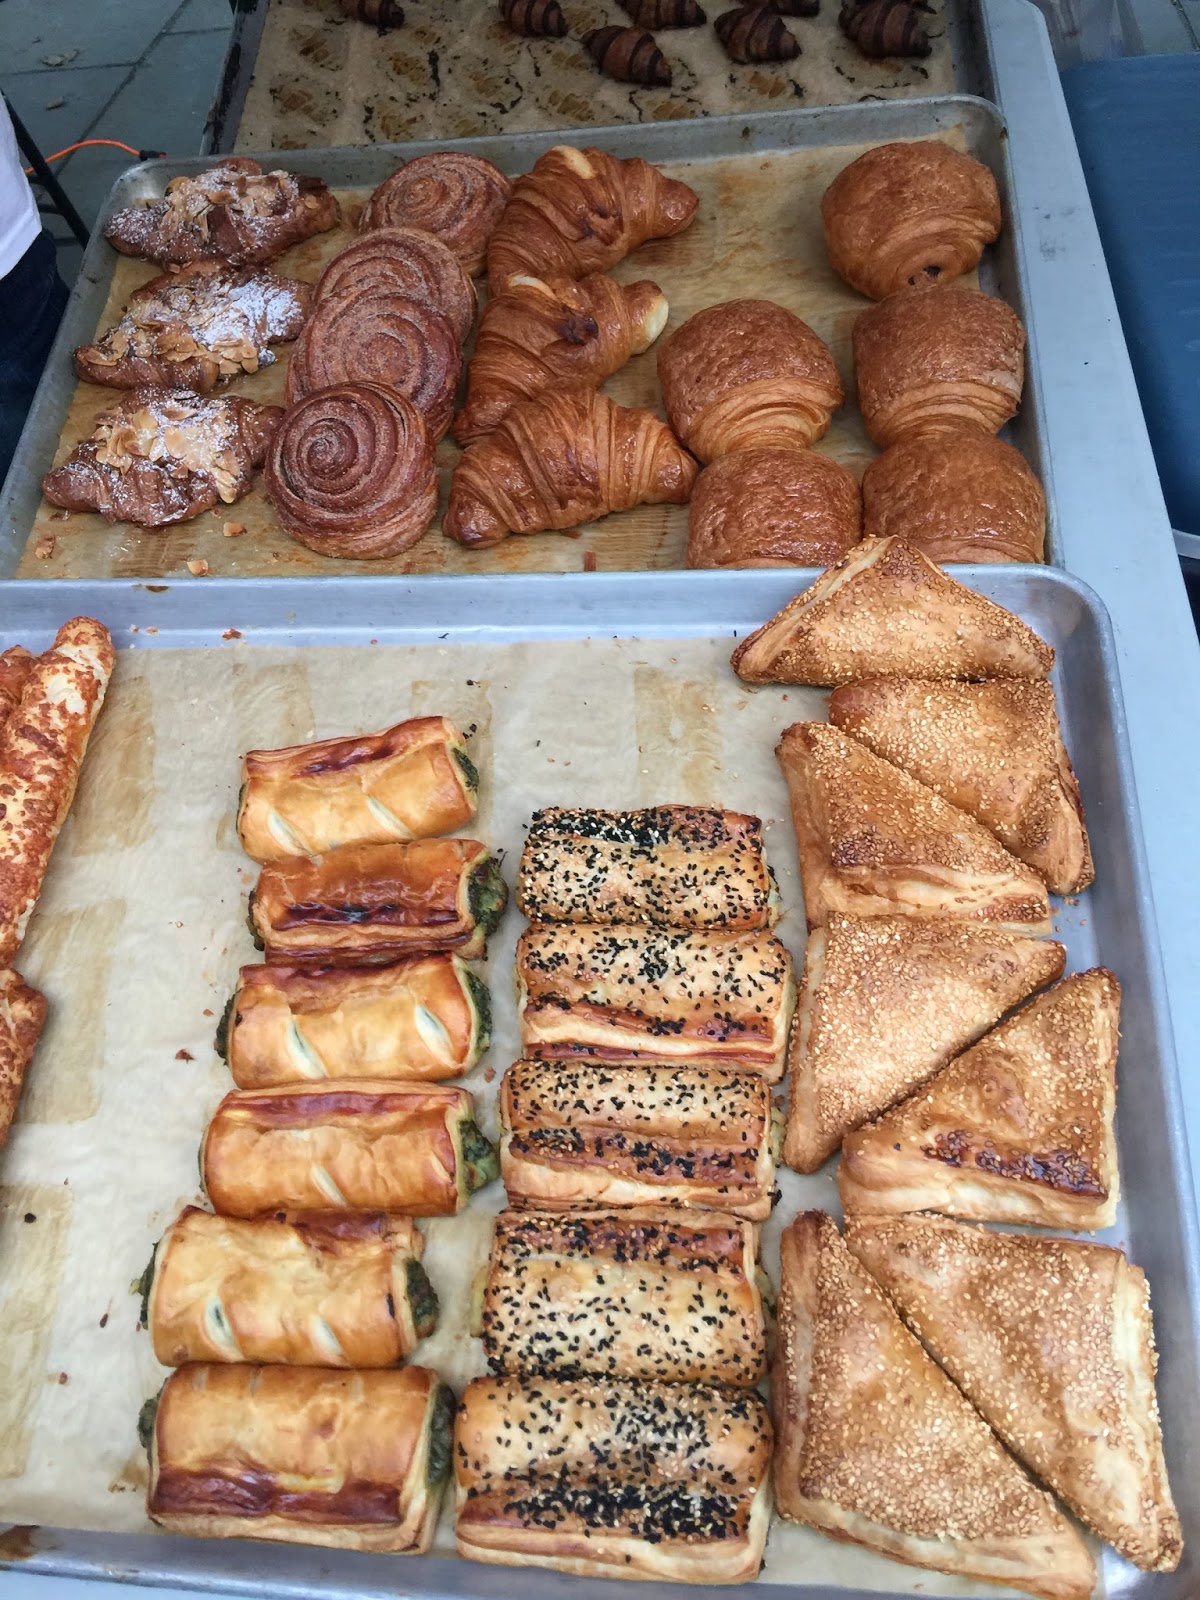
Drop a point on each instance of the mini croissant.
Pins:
(560, 460)
(628, 54)
(656, 14)
(755, 33)
(882, 28)
(536, 336)
(536, 18)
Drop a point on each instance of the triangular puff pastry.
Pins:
(1051, 1340)
(886, 1002)
(1019, 1129)
(875, 1445)
(886, 608)
(995, 749)
(874, 842)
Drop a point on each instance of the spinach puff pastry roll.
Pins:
(412, 781)
(318, 1289)
(638, 994)
(426, 1018)
(367, 1145)
(613, 1480)
(374, 903)
(354, 1460)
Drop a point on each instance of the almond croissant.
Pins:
(536, 336)
(563, 459)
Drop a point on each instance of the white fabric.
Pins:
(19, 220)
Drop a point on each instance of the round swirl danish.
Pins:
(350, 472)
(384, 338)
(458, 198)
(408, 262)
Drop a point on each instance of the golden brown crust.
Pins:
(22, 1017)
(403, 261)
(616, 1480)
(876, 1446)
(927, 362)
(457, 197)
(747, 374)
(1018, 1129)
(994, 749)
(875, 842)
(773, 508)
(1051, 1340)
(15, 666)
(909, 214)
(886, 609)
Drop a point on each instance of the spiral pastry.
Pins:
(350, 472)
(408, 262)
(458, 198)
(384, 338)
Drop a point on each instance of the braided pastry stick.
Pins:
(456, 197)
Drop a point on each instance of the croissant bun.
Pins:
(581, 211)
(884, 28)
(789, 8)
(755, 33)
(383, 13)
(536, 336)
(629, 55)
(655, 14)
(536, 18)
(565, 458)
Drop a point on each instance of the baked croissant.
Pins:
(563, 459)
(882, 28)
(536, 336)
(926, 362)
(535, 18)
(755, 33)
(629, 55)
(581, 211)
(747, 374)
(656, 14)
(773, 508)
(909, 214)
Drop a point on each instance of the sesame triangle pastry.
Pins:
(1051, 1341)
(885, 1003)
(886, 609)
(876, 1446)
(1018, 1129)
(874, 842)
(22, 1018)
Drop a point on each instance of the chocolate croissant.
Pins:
(628, 54)
(928, 361)
(407, 262)
(581, 211)
(747, 374)
(535, 18)
(773, 508)
(755, 33)
(882, 28)
(655, 14)
(454, 196)
(909, 214)
(536, 336)
(564, 459)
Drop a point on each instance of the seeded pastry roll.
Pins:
(353, 1460)
(317, 1289)
(613, 1480)
(412, 781)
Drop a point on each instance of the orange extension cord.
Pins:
(117, 144)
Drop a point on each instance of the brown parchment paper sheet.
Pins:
(137, 940)
(757, 234)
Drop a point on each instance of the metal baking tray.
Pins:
(646, 537)
(1112, 923)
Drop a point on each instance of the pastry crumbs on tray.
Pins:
(198, 568)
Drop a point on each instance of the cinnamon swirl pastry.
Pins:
(351, 473)
(408, 262)
(773, 508)
(456, 197)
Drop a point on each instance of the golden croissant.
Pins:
(536, 336)
(563, 459)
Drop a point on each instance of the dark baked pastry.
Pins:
(773, 508)
(408, 262)
(536, 18)
(882, 28)
(454, 196)
(655, 14)
(755, 33)
(628, 54)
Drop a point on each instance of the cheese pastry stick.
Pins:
(642, 994)
(22, 1017)
(353, 1460)
(412, 781)
(368, 1144)
(15, 666)
(613, 1480)
(427, 1018)
(665, 866)
(374, 903)
(316, 1289)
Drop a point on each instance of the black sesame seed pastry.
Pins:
(613, 993)
(665, 866)
(613, 1479)
(646, 1293)
(579, 1138)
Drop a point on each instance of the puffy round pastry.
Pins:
(747, 374)
(408, 262)
(932, 360)
(960, 496)
(456, 197)
(773, 508)
(909, 214)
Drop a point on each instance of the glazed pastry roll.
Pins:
(22, 1017)
(426, 1018)
(639, 994)
(648, 1293)
(353, 1460)
(412, 781)
(613, 1480)
(585, 1137)
(367, 1145)
(375, 903)
(666, 866)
